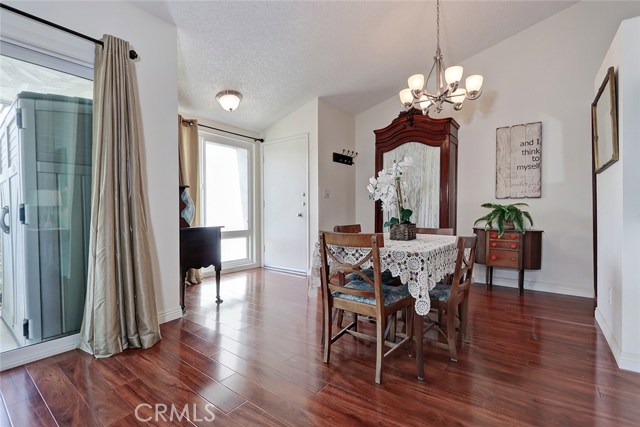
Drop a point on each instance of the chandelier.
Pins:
(447, 84)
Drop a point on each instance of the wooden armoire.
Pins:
(433, 144)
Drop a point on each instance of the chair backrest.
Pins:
(465, 260)
(334, 264)
(351, 228)
(441, 231)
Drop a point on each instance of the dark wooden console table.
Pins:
(512, 250)
(199, 248)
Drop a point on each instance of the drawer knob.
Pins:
(513, 246)
(494, 244)
(494, 236)
(493, 257)
(513, 259)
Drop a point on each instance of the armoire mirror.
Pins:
(432, 181)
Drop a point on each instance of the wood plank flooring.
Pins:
(535, 360)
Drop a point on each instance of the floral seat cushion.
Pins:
(440, 292)
(387, 277)
(392, 294)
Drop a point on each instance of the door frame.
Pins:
(305, 136)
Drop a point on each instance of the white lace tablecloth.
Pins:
(420, 263)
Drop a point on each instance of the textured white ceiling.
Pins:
(281, 55)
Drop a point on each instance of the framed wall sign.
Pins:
(519, 161)
(604, 123)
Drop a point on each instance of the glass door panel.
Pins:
(227, 177)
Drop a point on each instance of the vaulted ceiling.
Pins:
(281, 55)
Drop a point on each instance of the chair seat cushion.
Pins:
(387, 277)
(392, 294)
(440, 292)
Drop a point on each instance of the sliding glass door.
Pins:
(45, 195)
(228, 196)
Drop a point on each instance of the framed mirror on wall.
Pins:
(432, 181)
(604, 123)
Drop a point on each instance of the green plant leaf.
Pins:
(484, 218)
(501, 214)
(392, 220)
(405, 214)
(518, 224)
(500, 222)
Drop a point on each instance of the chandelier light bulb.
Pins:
(406, 97)
(474, 86)
(458, 96)
(453, 75)
(416, 82)
(424, 103)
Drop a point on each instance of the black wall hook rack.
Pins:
(346, 158)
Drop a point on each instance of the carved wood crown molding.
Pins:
(409, 114)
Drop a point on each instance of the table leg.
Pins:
(521, 282)
(218, 300)
(419, 332)
(183, 285)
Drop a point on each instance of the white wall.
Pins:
(544, 73)
(629, 104)
(336, 132)
(303, 121)
(619, 207)
(156, 73)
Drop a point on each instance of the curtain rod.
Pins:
(132, 53)
(190, 123)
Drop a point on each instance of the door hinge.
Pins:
(19, 118)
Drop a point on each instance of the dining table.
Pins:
(419, 263)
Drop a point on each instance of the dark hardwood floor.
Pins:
(255, 360)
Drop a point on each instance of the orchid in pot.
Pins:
(387, 188)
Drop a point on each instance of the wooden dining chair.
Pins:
(387, 277)
(440, 231)
(350, 228)
(453, 298)
(364, 296)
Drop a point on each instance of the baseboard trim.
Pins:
(169, 315)
(626, 361)
(22, 356)
(555, 288)
(287, 271)
(629, 362)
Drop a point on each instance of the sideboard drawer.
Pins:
(506, 236)
(502, 258)
(504, 244)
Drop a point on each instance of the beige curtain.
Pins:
(188, 153)
(120, 309)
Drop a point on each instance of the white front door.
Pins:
(285, 204)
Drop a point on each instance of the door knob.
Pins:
(3, 219)
(299, 215)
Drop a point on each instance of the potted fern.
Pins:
(505, 217)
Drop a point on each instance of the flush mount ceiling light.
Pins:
(447, 90)
(229, 99)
